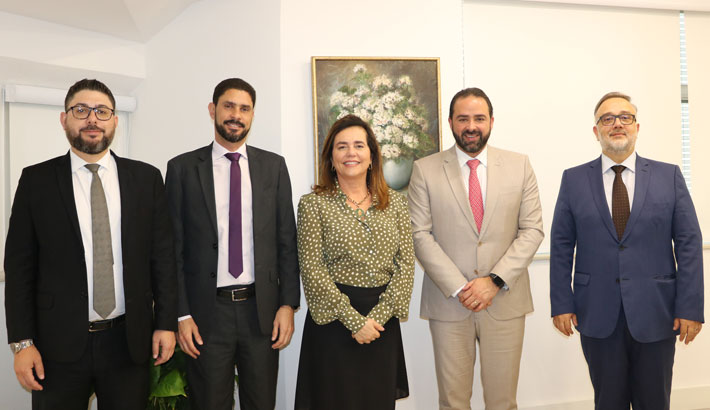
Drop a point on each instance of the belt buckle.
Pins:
(91, 327)
(236, 299)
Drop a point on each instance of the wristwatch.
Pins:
(498, 281)
(16, 347)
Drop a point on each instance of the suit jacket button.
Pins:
(480, 243)
(622, 247)
(212, 275)
(617, 280)
(214, 245)
(475, 271)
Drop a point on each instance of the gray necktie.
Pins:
(104, 295)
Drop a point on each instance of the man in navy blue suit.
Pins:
(638, 269)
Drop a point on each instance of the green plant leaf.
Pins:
(172, 384)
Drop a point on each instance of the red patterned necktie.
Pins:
(474, 193)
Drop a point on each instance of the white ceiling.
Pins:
(136, 20)
(686, 5)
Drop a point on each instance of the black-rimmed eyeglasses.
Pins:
(610, 119)
(82, 112)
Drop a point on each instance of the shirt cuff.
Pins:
(456, 294)
(181, 318)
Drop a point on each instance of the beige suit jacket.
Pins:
(448, 245)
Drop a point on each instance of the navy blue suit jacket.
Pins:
(655, 270)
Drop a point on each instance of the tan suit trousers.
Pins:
(500, 344)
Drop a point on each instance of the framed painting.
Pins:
(398, 97)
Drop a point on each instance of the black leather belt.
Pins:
(237, 293)
(100, 325)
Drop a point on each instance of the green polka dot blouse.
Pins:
(334, 246)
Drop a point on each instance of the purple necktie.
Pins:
(235, 215)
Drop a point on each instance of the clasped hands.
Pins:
(369, 332)
(478, 294)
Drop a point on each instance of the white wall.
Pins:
(544, 92)
(210, 41)
(269, 43)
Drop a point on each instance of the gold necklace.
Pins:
(359, 211)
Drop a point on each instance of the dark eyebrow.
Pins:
(621, 113)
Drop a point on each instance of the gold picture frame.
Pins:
(399, 96)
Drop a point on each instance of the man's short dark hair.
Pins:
(610, 95)
(470, 92)
(235, 84)
(92, 85)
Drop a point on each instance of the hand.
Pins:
(163, 344)
(478, 294)
(283, 327)
(26, 360)
(688, 329)
(369, 332)
(187, 330)
(564, 323)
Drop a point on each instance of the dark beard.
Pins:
(231, 136)
(472, 147)
(89, 147)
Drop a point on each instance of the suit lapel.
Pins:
(643, 178)
(453, 176)
(206, 176)
(66, 190)
(493, 173)
(126, 186)
(254, 173)
(594, 173)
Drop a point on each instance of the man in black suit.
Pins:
(235, 241)
(90, 267)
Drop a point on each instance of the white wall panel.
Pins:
(697, 28)
(545, 66)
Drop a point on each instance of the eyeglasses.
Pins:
(610, 119)
(82, 112)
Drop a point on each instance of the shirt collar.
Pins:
(218, 151)
(629, 163)
(463, 157)
(78, 163)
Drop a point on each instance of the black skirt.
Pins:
(336, 372)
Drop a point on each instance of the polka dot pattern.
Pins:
(334, 246)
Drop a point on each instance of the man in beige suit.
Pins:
(477, 223)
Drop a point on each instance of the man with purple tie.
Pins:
(638, 266)
(235, 238)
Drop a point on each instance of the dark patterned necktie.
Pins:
(620, 209)
(104, 293)
(235, 215)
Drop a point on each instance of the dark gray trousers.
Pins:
(234, 340)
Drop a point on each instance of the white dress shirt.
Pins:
(81, 181)
(481, 171)
(628, 176)
(221, 169)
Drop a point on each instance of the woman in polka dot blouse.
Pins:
(357, 265)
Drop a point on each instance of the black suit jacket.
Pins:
(46, 294)
(191, 197)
